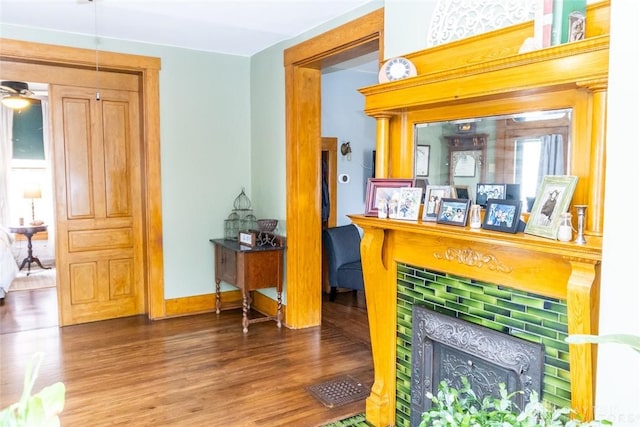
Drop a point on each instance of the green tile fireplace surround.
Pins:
(531, 317)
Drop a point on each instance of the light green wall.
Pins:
(205, 147)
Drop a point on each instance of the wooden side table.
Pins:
(249, 269)
(28, 231)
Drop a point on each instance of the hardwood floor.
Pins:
(197, 370)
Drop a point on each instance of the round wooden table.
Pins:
(28, 231)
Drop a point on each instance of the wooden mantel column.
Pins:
(382, 145)
(583, 300)
(381, 312)
(594, 217)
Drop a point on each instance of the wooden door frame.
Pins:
(29, 56)
(303, 64)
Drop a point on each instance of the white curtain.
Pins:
(6, 126)
(551, 156)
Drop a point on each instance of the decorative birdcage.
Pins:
(232, 226)
(241, 217)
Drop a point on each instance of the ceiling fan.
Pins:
(16, 95)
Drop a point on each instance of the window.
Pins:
(28, 142)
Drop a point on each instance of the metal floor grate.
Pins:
(339, 391)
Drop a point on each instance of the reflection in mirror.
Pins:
(516, 150)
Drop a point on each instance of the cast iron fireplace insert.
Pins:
(447, 348)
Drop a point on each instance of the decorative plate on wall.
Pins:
(396, 69)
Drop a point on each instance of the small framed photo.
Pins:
(552, 199)
(247, 238)
(432, 200)
(454, 212)
(502, 215)
(461, 192)
(422, 160)
(409, 203)
(485, 192)
(383, 189)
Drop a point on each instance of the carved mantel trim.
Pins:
(469, 256)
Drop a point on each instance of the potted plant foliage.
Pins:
(38, 410)
(460, 408)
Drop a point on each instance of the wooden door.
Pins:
(99, 253)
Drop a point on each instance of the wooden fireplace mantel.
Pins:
(567, 271)
(481, 76)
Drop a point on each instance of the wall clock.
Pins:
(396, 69)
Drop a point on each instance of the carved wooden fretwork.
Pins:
(473, 258)
(456, 19)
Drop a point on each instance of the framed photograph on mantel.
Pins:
(454, 212)
(432, 199)
(383, 189)
(409, 204)
(552, 199)
(502, 215)
(485, 191)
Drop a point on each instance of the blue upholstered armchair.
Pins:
(342, 245)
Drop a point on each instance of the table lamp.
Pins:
(32, 191)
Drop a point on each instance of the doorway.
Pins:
(33, 61)
(303, 69)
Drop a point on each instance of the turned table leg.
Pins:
(245, 312)
(217, 296)
(279, 313)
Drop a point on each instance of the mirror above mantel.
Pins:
(515, 149)
(479, 81)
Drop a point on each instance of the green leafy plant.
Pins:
(460, 408)
(41, 409)
(632, 341)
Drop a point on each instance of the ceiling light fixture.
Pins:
(17, 94)
(15, 102)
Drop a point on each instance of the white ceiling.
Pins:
(236, 27)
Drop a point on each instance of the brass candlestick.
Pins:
(581, 209)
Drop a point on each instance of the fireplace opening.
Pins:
(445, 348)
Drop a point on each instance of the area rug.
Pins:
(339, 391)
(37, 279)
(354, 421)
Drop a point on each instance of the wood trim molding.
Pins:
(303, 64)
(36, 59)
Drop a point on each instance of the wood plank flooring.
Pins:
(189, 371)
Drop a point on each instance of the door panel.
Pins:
(99, 203)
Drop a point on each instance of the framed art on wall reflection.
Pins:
(422, 160)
